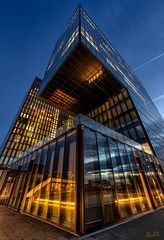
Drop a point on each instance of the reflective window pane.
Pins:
(92, 184)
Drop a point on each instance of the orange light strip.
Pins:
(98, 74)
(69, 205)
(55, 201)
(125, 200)
(61, 97)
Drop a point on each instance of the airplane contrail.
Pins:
(151, 60)
(158, 98)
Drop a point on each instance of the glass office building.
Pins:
(104, 161)
(34, 122)
(87, 70)
(86, 178)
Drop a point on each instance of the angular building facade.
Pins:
(87, 70)
(34, 122)
(105, 163)
(87, 178)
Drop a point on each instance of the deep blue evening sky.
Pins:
(29, 30)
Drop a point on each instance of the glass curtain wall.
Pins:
(50, 188)
(155, 179)
(114, 188)
(120, 181)
(119, 113)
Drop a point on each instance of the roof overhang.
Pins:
(81, 83)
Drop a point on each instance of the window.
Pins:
(129, 104)
(118, 109)
(140, 131)
(107, 179)
(114, 112)
(92, 185)
(124, 108)
(133, 133)
(133, 116)
(127, 117)
(121, 203)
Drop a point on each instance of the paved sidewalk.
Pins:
(147, 227)
(16, 226)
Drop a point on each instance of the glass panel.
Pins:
(92, 185)
(122, 121)
(124, 108)
(133, 133)
(107, 105)
(101, 118)
(127, 117)
(126, 133)
(56, 183)
(116, 123)
(114, 112)
(103, 107)
(134, 116)
(125, 93)
(115, 100)
(118, 109)
(108, 186)
(132, 194)
(122, 196)
(152, 180)
(120, 97)
(140, 131)
(105, 116)
(31, 204)
(138, 180)
(129, 104)
(36, 183)
(109, 114)
(99, 109)
(158, 170)
(68, 190)
(45, 186)
(111, 102)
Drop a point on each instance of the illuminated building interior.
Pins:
(102, 161)
(35, 121)
(107, 179)
(83, 82)
(119, 113)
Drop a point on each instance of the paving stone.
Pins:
(16, 226)
(147, 227)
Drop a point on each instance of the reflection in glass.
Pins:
(56, 183)
(152, 179)
(107, 180)
(50, 193)
(68, 193)
(143, 202)
(92, 184)
(121, 190)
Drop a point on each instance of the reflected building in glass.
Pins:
(86, 178)
(105, 163)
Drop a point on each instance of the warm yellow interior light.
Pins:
(62, 204)
(125, 200)
(62, 97)
(98, 74)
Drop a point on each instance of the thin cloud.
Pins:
(158, 98)
(146, 63)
